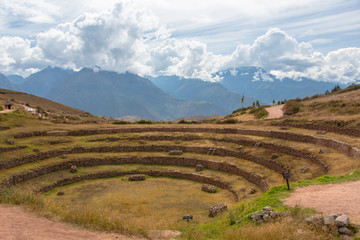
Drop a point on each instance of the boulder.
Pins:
(137, 177)
(267, 208)
(264, 213)
(199, 167)
(36, 150)
(63, 156)
(252, 191)
(10, 141)
(216, 209)
(175, 152)
(274, 156)
(342, 221)
(273, 215)
(345, 231)
(73, 169)
(266, 218)
(346, 237)
(330, 219)
(255, 216)
(60, 193)
(316, 220)
(321, 132)
(208, 188)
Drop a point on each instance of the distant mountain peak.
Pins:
(96, 69)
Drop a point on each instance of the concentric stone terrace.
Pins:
(234, 159)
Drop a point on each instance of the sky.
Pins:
(318, 39)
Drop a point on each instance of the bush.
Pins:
(260, 112)
(144, 122)
(183, 121)
(228, 121)
(292, 107)
(120, 122)
(74, 117)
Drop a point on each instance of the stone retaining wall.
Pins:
(339, 130)
(269, 163)
(172, 174)
(9, 149)
(178, 161)
(342, 147)
(246, 142)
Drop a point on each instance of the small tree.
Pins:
(242, 101)
(273, 102)
(336, 88)
(253, 104)
(257, 103)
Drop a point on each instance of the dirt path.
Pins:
(331, 198)
(6, 110)
(275, 111)
(18, 224)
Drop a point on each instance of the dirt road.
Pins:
(18, 224)
(275, 111)
(331, 198)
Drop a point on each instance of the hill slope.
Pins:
(20, 98)
(41, 82)
(198, 90)
(115, 95)
(5, 83)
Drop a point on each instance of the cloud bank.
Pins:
(128, 38)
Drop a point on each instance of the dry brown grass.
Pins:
(285, 229)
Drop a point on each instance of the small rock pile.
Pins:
(137, 177)
(336, 223)
(208, 188)
(252, 191)
(73, 169)
(36, 150)
(323, 150)
(10, 141)
(217, 208)
(199, 167)
(265, 215)
(175, 152)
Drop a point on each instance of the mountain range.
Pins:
(257, 83)
(112, 94)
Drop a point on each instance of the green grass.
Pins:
(260, 112)
(222, 226)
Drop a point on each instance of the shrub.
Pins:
(74, 117)
(144, 122)
(260, 112)
(228, 121)
(183, 121)
(292, 107)
(120, 122)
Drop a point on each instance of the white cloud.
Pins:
(281, 54)
(16, 56)
(113, 39)
(130, 38)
